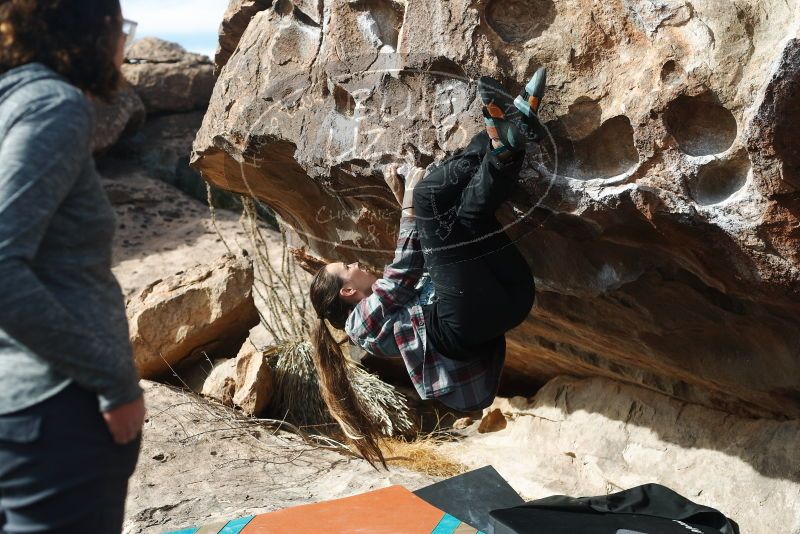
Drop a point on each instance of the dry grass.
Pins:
(297, 396)
(421, 455)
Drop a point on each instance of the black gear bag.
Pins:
(647, 509)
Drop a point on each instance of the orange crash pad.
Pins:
(392, 510)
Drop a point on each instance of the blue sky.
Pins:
(192, 23)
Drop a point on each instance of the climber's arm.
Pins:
(409, 263)
(371, 324)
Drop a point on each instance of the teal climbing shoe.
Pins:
(512, 140)
(522, 111)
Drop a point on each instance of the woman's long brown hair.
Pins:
(72, 37)
(332, 367)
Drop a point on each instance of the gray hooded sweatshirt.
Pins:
(62, 313)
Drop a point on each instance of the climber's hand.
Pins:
(394, 181)
(414, 177)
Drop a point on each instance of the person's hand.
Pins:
(414, 177)
(402, 187)
(125, 421)
(394, 181)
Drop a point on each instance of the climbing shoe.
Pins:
(522, 111)
(530, 98)
(503, 131)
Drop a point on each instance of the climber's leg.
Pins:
(510, 268)
(485, 290)
(509, 124)
(522, 111)
(473, 307)
(439, 193)
(491, 185)
(483, 284)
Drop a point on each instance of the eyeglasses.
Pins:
(129, 30)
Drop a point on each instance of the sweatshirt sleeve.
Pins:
(41, 158)
(371, 324)
(409, 263)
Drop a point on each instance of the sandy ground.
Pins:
(161, 231)
(199, 466)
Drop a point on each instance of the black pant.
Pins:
(60, 470)
(484, 284)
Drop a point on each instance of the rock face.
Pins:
(205, 311)
(597, 436)
(244, 381)
(234, 23)
(167, 77)
(124, 114)
(661, 218)
(221, 382)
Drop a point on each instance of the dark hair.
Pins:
(333, 369)
(72, 37)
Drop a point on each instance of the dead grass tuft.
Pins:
(421, 455)
(298, 400)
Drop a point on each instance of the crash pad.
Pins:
(392, 510)
(471, 496)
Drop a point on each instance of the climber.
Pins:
(448, 327)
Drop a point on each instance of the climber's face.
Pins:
(356, 282)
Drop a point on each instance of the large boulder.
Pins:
(123, 114)
(660, 219)
(234, 22)
(204, 312)
(167, 77)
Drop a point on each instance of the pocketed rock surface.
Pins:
(660, 218)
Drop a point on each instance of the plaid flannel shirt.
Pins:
(390, 323)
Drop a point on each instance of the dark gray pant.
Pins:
(485, 285)
(60, 470)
